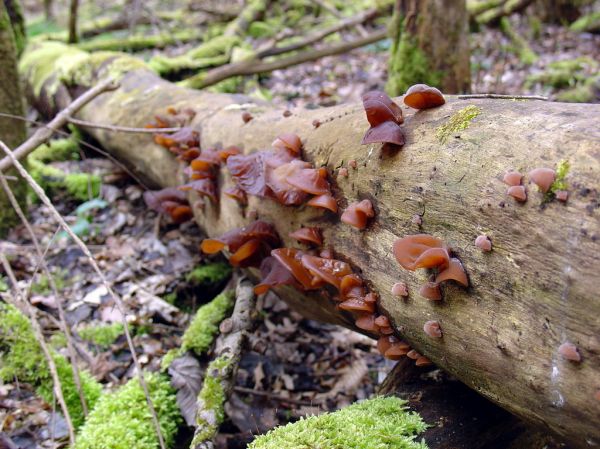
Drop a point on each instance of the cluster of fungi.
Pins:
(543, 177)
(281, 175)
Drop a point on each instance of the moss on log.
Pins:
(535, 290)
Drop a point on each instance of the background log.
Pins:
(535, 290)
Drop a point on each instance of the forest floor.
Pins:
(293, 366)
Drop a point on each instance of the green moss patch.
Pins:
(122, 420)
(459, 121)
(212, 273)
(21, 358)
(380, 423)
(102, 335)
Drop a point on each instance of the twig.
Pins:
(228, 345)
(320, 34)
(80, 142)
(61, 312)
(122, 129)
(43, 134)
(37, 330)
(334, 12)
(252, 66)
(117, 300)
(504, 97)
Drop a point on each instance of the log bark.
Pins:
(535, 290)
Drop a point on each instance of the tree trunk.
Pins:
(534, 291)
(12, 131)
(73, 36)
(429, 45)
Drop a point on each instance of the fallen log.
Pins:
(535, 290)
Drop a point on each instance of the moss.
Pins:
(122, 420)
(408, 64)
(102, 335)
(42, 285)
(589, 22)
(171, 298)
(82, 186)
(211, 399)
(459, 121)
(380, 423)
(204, 326)
(58, 340)
(566, 73)
(3, 284)
(22, 358)
(140, 42)
(212, 273)
(560, 183)
(520, 46)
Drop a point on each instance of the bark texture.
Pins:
(534, 291)
(12, 131)
(429, 45)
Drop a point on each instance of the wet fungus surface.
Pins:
(357, 214)
(422, 96)
(385, 118)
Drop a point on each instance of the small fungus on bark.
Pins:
(358, 213)
(518, 193)
(385, 118)
(433, 329)
(308, 236)
(422, 96)
(569, 351)
(512, 178)
(400, 289)
(543, 178)
(484, 243)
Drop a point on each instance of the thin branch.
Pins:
(80, 142)
(503, 97)
(252, 66)
(230, 345)
(37, 330)
(122, 129)
(43, 134)
(117, 299)
(61, 312)
(320, 34)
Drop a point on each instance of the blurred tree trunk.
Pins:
(48, 11)
(429, 45)
(15, 15)
(12, 131)
(558, 11)
(73, 38)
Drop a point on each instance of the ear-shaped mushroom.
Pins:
(207, 160)
(454, 271)
(181, 213)
(308, 236)
(423, 361)
(352, 287)
(412, 354)
(278, 180)
(248, 171)
(288, 141)
(422, 96)
(204, 187)
(310, 180)
(189, 155)
(400, 289)
(155, 198)
(273, 273)
(237, 194)
(243, 257)
(291, 259)
(518, 193)
(357, 305)
(229, 151)
(512, 178)
(358, 213)
(420, 251)
(543, 177)
(329, 270)
(382, 321)
(326, 201)
(433, 329)
(185, 138)
(366, 321)
(386, 132)
(484, 243)
(381, 108)
(397, 350)
(569, 351)
(235, 238)
(431, 291)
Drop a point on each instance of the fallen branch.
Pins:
(220, 374)
(37, 329)
(122, 129)
(61, 119)
(117, 300)
(252, 66)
